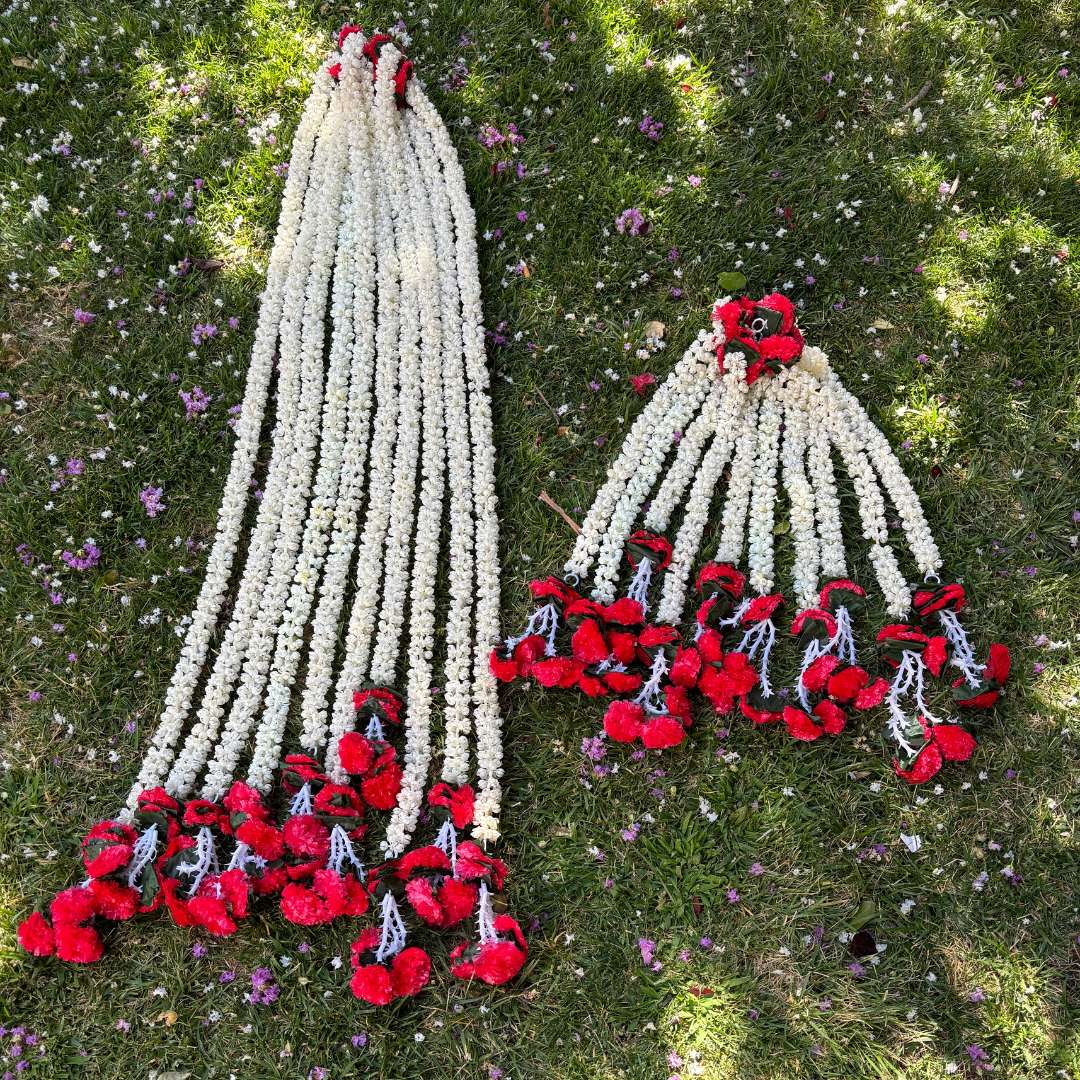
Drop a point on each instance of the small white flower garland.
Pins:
(790, 420)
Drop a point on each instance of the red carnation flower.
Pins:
(407, 975)
(623, 721)
(872, 695)
(721, 577)
(355, 753)
(78, 944)
(621, 682)
(305, 834)
(263, 839)
(935, 655)
(561, 671)
(300, 769)
(156, 801)
(338, 800)
(381, 790)
(72, 906)
(443, 904)
(845, 684)
(733, 678)
(623, 612)
(459, 801)
(817, 674)
(347, 30)
(494, 962)
(817, 622)
(686, 667)
(832, 594)
(114, 901)
(380, 701)
(652, 546)
(107, 847)
(518, 664)
(474, 865)
(36, 935)
(827, 719)
(756, 715)
(728, 316)
(944, 742)
(334, 71)
(200, 812)
(428, 857)
(244, 799)
(940, 598)
(661, 732)
(552, 588)
(653, 637)
(762, 608)
(588, 644)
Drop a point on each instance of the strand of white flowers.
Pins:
(418, 696)
(871, 505)
(204, 618)
(274, 595)
(799, 493)
(487, 719)
(654, 453)
(826, 500)
(457, 719)
(392, 237)
(653, 417)
(220, 683)
(696, 516)
(402, 502)
(737, 499)
(919, 537)
(332, 588)
(336, 422)
(759, 532)
(687, 459)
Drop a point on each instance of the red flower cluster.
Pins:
(380, 983)
(371, 50)
(762, 330)
(495, 961)
(837, 686)
(978, 688)
(607, 648)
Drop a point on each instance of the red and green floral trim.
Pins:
(208, 863)
(653, 673)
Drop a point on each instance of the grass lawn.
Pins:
(929, 249)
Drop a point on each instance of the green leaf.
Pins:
(867, 913)
(731, 281)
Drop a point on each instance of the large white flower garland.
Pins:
(376, 245)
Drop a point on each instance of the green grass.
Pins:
(785, 112)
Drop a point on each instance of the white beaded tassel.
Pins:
(457, 719)
(393, 234)
(654, 452)
(687, 459)
(737, 500)
(487, 719)
(418, 706)
(227, 663)
(891, 579)
(687, 543)
(919, 537)
(204, 618)
(654, 417)
(406, 454)
(297, 483)
(763, 489)
(336, 424)
(800, 496)
(331, 595)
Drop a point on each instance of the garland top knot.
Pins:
(765, 329)
(371, 50)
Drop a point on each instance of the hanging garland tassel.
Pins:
(376, 244)
(759, 410)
